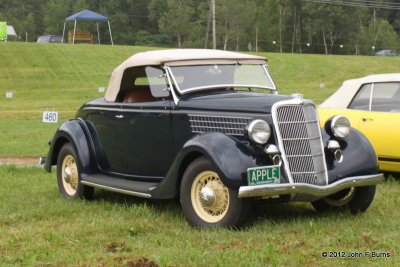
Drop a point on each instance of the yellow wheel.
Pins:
(68, 175)
(210, 197)
(206, 201)
(356, 199)
(341, 201)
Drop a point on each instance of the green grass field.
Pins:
(39, 227)
(62, 77)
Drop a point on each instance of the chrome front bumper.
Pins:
(315, 190)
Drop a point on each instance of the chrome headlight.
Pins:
(258, 131)
(338, 126)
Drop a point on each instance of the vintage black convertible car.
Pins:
(209, 127)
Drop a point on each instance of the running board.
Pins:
(120, 185)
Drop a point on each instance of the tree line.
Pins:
(257, 25)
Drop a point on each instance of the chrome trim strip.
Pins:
(171, 85)
(322, 145)
(137, 110)
(188, 111)
(218, 117)
(300, 122)
(265, 67)
(229, 133)
(303, 188)
(127, 192)
(220, 122)
(370, 97)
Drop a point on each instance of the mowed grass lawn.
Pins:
(39, 227)
(62, 77)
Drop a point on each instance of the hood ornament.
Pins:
(298, 97)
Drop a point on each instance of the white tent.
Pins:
(11, 31)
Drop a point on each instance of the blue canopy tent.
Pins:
(88, 15)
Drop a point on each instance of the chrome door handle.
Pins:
(119, 116)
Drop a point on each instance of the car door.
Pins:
(380, 122)
(136, 134)
(383, 130)
(143, 146)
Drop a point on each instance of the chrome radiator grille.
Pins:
(226, 125)
(300, 140)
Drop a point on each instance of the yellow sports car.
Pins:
(372, 104)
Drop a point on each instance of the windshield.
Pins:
(193, 78)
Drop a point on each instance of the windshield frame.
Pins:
(172, 79)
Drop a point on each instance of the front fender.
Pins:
(359, 157)
(74, 132)
(230, 157)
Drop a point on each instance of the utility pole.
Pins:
(208, 26)
(256, 38)
(213, 23)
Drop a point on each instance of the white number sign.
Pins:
(50, 116)
(101, 89)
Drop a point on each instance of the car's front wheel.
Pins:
(68, 175)
(206, 201)
(356, 199)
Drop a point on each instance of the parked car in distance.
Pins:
(50, 39)
(209, 127)
(387, 53)
(372, 104)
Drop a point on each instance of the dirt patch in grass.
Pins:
(114, 247)
(19, 160)
(125, 261)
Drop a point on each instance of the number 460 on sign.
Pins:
(50, 116)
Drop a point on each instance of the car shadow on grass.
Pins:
(165, 206)
(289, 212)
(261, 212)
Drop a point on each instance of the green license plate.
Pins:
(264, 175)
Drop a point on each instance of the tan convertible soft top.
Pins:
(177, 57)
(343, 96)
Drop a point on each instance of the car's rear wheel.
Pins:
(356, 199)
(206, 201)
(68, 175)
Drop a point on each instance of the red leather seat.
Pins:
(138, 95)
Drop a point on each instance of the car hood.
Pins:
(235, 101)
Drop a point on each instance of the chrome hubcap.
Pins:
(207, 197)
(210, 197)
(67, 175)
(70, 175)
